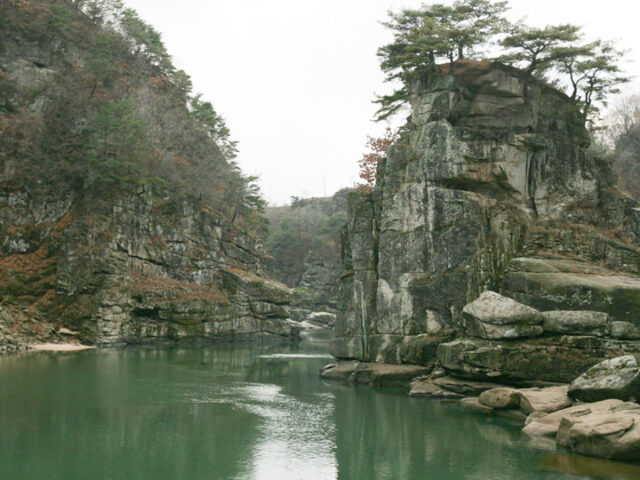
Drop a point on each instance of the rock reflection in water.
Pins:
(244, 412)
(588, 466)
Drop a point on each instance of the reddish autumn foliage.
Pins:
(369, 162)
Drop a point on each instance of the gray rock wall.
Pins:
(137, 268)
(492, 166)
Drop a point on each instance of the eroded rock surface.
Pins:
(547, 424)
(135, 269)
(577, 323)
(552, 359)
(547, 400)
(502, 398)
(613, 434)
(373, 373)
(426, 387)
(493, 317)
(624, 331)
(491, 187)
(613, 378)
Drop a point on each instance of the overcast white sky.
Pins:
(295, 78)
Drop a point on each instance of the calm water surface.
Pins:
(244, 412)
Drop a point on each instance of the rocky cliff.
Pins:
(492, 185)
(122, 217)
(133, 269)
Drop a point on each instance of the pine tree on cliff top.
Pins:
(426, 38)
(433, 34)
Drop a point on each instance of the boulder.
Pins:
(613, 434)
(540, 424)
(476, 404)
(463, 387)
(425, 387)
(501, 398)
(381, 374)
(549, 399)
(492, 316)
(491, 307)
(576, 323)
(624, 331)
(551, 359)
(614, 378)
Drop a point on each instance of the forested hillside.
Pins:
(123, 215)
(88, 94)
(304, 246)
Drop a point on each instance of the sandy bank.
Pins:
(59, 347)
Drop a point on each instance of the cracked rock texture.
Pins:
(135, 268)
(491, 186)
(145, 256)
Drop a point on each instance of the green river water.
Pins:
(246, 412)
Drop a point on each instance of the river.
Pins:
(245, 412)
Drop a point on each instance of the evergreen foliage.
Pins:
(308, 231)
(426, 38)
(118, 114)
(538, 49)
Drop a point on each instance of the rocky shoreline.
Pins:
(572, 377)
(607, 428)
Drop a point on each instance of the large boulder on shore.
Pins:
(540, 424)
(607, 429)
(492, 316)
(613, 378)
(501, 398)
(549, 399)
(564, 322)
(381, 374)
(553, 359)
(613, 434)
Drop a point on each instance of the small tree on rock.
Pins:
(369, 162)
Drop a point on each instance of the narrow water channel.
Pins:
(244, 412)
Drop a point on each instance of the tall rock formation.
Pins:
(491, 186)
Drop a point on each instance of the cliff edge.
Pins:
(491, 186)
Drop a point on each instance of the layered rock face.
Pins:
(135, 268)
(510, 342)
(491, 186)
(122, 218)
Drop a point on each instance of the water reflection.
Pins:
(239, 412)
(588, 466)
(296, 440)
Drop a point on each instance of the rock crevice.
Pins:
(486, 189)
